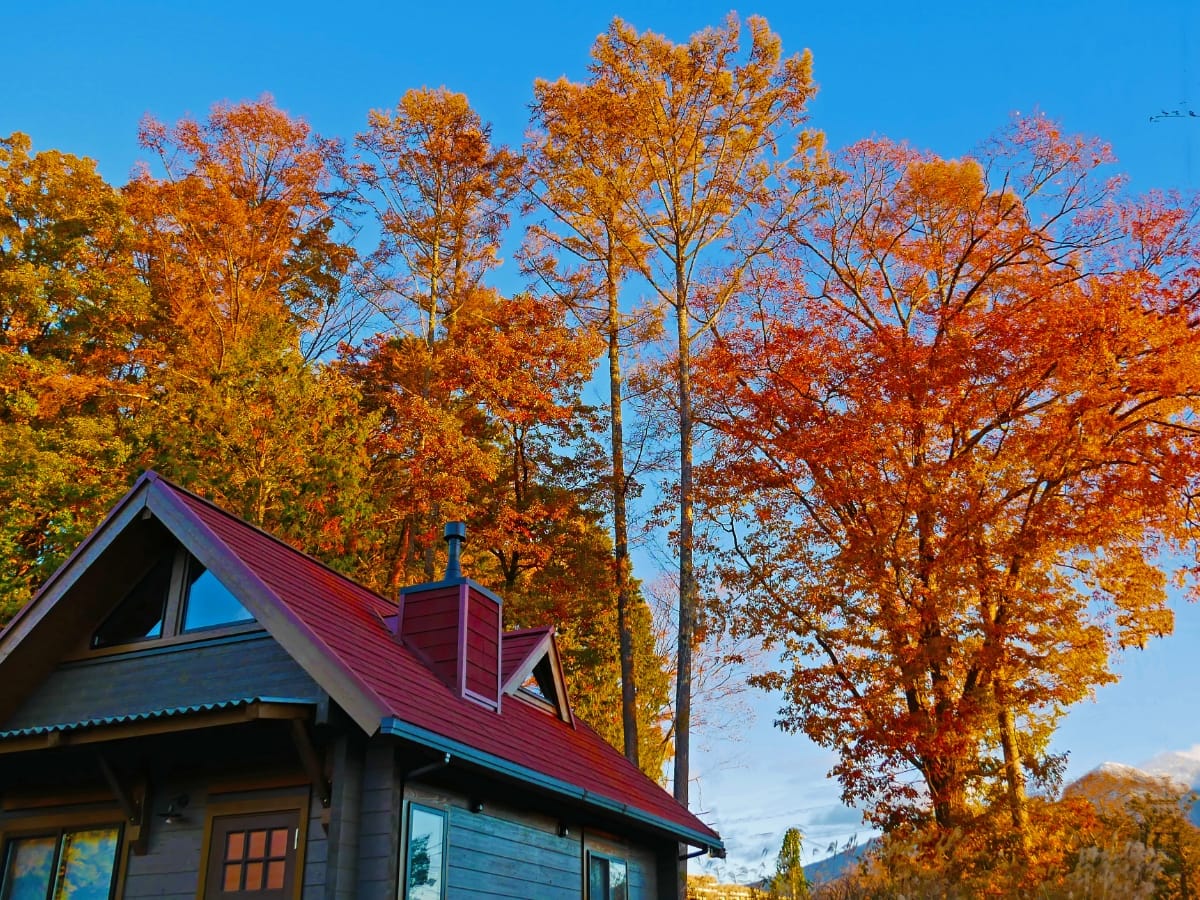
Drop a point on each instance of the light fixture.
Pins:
(174, 811)
(476, 806)
(563, 830)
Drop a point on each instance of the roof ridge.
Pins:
(271, 537)
(522, 632)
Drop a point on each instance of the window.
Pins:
(177, 596)
(207, 603)
(253, 856)
(425, 861)
(77, 864)
(608, 878)
(140, 614)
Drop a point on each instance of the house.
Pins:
(193, 709)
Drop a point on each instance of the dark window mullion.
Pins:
(55, 874)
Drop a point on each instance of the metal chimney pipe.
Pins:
(455, 534)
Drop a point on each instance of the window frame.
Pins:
(174, 612)
(610, 858)
(412, 806)
(55, 824)
(273, 804)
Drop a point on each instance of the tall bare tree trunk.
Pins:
(629, 719)
(687, 585)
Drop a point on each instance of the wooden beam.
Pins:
(258, 710)
(134, 803)
(128, 807)
(308, 759)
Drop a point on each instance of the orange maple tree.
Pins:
(70, 310)
(958, 435)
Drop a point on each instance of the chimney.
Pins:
(454, 626)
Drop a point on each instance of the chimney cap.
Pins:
(455, 530)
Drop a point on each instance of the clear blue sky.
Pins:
(943, 75)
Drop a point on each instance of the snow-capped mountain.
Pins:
(1111, 780)
(1182, 766)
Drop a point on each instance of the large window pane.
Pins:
(597, 878)
(208, 603)
(71, 865)
(87, 861)
(425, 863)
(28, 868)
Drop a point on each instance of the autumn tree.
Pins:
(439, 192)
(70, 313)
(578, 178)
(713, 126)
(958, 434)
(239, 248)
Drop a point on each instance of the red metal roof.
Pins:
(345, 620)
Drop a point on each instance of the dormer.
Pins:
(454, 626)
(533, 672)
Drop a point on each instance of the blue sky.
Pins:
(942, 75)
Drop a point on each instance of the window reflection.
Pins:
(208, 602)
(608, 878)
(72, 865)
(140, 614)
(425, 877)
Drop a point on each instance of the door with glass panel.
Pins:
(253, 856)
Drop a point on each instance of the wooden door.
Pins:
(253, 856)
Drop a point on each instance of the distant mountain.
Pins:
(1108, 780)
(1182, 766)
(837, 865)
(1112, 781)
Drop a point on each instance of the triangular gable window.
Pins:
(177, 596)
(208, 603)
(140, 615)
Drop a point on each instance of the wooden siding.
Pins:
(500, 856)
(249, 666)
(642, 863)
(170, 868)
(379, 824)
(505, 853)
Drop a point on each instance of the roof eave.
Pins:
(395, 727)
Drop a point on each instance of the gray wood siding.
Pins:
(173, 677)
(642, 863)
(345, 811)
(171, 867)
(379, 823)
(498, 857)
